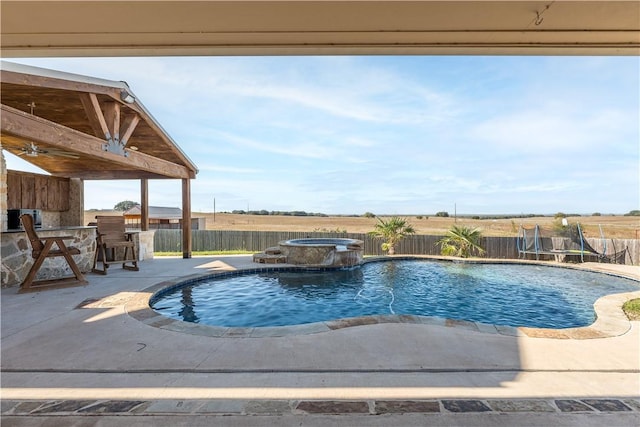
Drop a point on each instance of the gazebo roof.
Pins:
(84, 127)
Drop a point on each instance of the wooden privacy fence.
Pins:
(257, 241)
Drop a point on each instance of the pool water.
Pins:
(499, 294)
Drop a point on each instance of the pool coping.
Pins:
(610, 319)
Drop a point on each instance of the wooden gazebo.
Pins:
(82, 127)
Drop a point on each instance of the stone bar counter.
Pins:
(17, 260)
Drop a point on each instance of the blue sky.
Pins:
(387, 134)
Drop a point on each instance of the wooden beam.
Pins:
(59, 83)
(39, 130)
(186, 218)
(96, 115)
(128, 127)
(115, 174)
(144, 204)
(92, 115)
(112, 118)
(109, 123)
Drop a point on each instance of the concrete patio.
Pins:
(87, 355)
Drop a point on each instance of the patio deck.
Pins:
(78, 353)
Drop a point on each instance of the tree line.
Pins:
(282, 213)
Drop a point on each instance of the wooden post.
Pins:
(186, 218)
(144, 204)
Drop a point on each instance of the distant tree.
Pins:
(328, 230)
(442, 214)
(634, 212)
(461, 241)
(560, 215)
(368, 215)
(419, 217)
(124, 205)
(392, 231)
(596, 214)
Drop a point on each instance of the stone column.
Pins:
(75, 215)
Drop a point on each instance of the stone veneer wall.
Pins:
(75, 215)
(321, 254)
(3, 191)
(144, 244)
(16, 255)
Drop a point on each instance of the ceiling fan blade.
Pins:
(62, 153)
(65, 155)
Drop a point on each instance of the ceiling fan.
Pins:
(32, 150)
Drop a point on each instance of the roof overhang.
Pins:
(308, 27)
(82, 127)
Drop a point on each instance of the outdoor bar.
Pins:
(74, 128)
(55, 203)
(16, 259)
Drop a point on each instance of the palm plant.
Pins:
(392, 231)
(461, 241)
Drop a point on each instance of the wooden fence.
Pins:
(257, 241)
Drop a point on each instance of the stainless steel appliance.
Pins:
(13, 218)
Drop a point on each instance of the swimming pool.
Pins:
(500, 294)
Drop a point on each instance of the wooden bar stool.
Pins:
(112, 236)
(41, 249)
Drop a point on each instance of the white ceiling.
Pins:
(300, 27)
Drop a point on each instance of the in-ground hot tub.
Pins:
(325, 252)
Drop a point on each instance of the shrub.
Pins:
(392, 231)
(632, 309)
(461, 241)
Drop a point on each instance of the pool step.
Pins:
(270, 258)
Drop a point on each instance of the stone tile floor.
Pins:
(295, 407)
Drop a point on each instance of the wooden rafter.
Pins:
(95, 115)
(107, 120)
(19, 123)
(112, 119)
(128, 126)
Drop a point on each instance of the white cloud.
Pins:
(390, 134)
(228, 169)
(293, 149)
